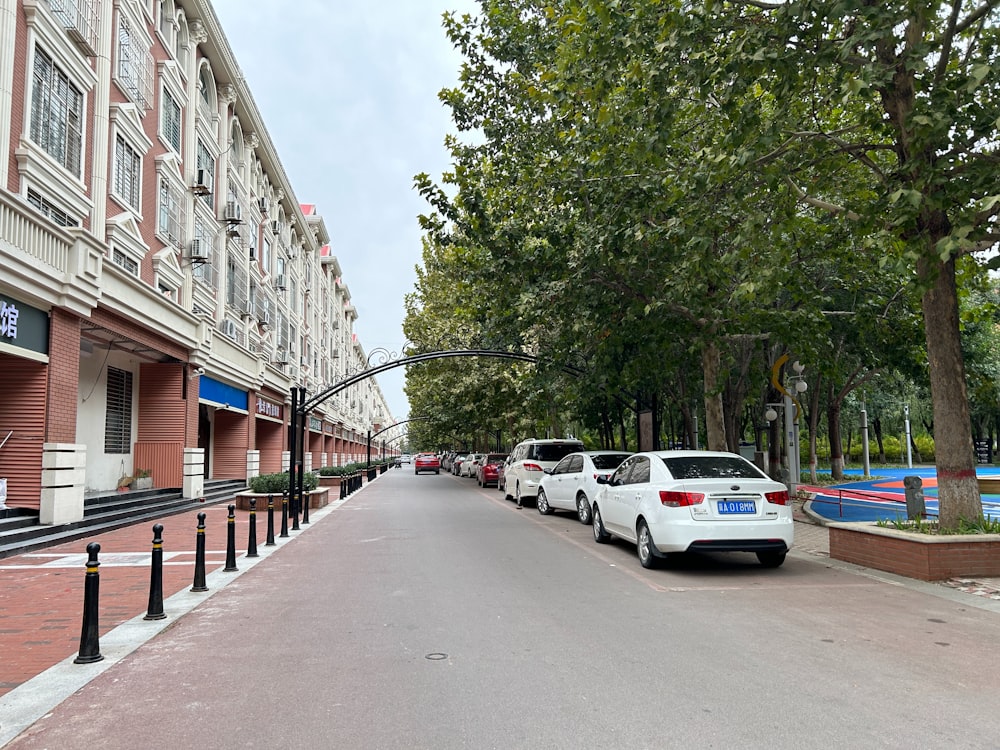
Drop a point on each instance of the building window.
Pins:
(206, 165)
(170, 217)
(118, 420)
(128, 169)
(170, 120)
(135, 65)
(52, 211)
(121, 259)
(232, 277)
(204, 272)
(56, 113)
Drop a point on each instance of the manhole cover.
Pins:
(436, 656)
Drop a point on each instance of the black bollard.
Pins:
(154, 611)
(231, 541)
(296, 507)
(90, 645)
(305, 508)
(284, 514)
(343, 486)
(199, 557)
(270, 521)
(252, 544)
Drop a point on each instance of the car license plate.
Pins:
(736, 507)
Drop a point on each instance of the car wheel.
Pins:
(771, 559)
(600, 535)
(644, 546)
(542, 503)
(583, 509)
(438, 471)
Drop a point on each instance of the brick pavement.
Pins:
(41, 593)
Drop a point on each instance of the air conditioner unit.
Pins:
(201, 183)
(279, 282)
(264, 317)
(229, 329)
(232, 212)
(264, 205)
(281, 357)
(275, 227)
(199, 250)
(248, 307)
(253, 253)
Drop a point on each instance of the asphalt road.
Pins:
(428, 613)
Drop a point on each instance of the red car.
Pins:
(488, 471)
(427, 462)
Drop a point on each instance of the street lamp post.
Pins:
(790, 407)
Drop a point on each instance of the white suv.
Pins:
(527, 463)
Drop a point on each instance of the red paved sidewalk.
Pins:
(41, 593)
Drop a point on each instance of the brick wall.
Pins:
(64, 377)
(925, 557)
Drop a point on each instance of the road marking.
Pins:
(107, 560)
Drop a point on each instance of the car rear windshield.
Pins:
(495, 458)
(609, 461)
(553, 451)
(711, 467)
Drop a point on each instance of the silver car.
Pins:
(572, 483)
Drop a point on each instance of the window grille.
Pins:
(52, 211)
(80, 19)
(128, 166)
(121, 259)
(170, 219)
(118, 422)
(206, 163)
(135, 65)
(56, 113)
(170, 120)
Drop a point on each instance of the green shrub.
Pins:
(267, 484)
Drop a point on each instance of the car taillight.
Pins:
(532, 467)
(680, 499)
(777, 498)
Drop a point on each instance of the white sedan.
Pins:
(694, 501)
(572, 483)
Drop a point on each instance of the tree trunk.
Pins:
(955, 457)
(715, 425)
(877, 426)
(813, 428)
(833, 431)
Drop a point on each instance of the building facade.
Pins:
(161, 288)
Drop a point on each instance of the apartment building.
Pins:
(161, 288)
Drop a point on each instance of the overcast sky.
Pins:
(348, 92)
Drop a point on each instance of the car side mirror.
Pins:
(601, 479)
(547, 471)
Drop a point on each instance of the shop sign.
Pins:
(23, 326)
(316, 425)
(267, 408)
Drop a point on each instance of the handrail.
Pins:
(6, 439)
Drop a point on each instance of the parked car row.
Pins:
(664, 502)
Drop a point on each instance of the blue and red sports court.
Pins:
(881, 497)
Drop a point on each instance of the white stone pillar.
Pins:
(194, 473)
(64, 476)
(253, 464)
(8, 27)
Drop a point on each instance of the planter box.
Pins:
(142, 483)
(318, 498)
(331, 482)
(923, 556)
